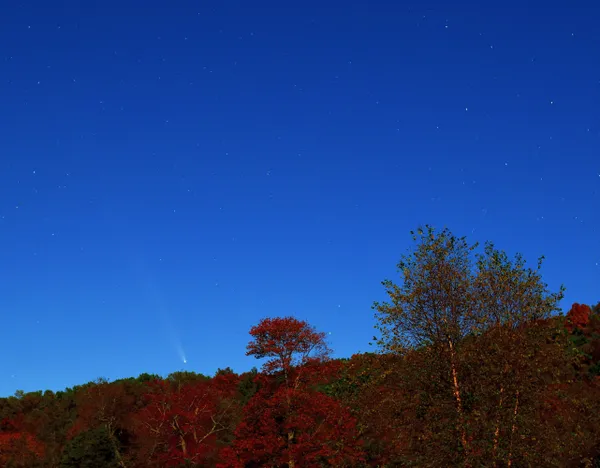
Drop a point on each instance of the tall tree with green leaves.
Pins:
(508, 296)
(509, 293)
(433, 304)
(449, 293)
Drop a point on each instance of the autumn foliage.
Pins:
(19, 449)
(181, 425)
(286, 343)
(292, 424)
(475, 369)
(290, 427)
(578, 316)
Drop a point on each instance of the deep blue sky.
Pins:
(173, 171)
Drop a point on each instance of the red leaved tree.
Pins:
(104, 404)
(181, 424)
(292, 424)
(290, 345)
(578, 316)
(294, 428)
(17, 447)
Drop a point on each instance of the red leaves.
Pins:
(19, 449)
(291, 424)
(104, 404)
(578, 316)
(294, 427)
(181, 425)
(287, 342)
(306, 410)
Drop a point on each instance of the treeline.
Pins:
(476, 369)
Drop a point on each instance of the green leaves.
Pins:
(446, 293)
(467, 310)
(432, 304)
(507, 292)
(90, 449)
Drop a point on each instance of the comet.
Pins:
(181, 352)
(154, 296)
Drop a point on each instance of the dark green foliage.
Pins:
(353, 378)
(145, 377)
(226, 371)
(183, 377)
(594, 369)
(90, 449)
(578, 338)
(248, 385)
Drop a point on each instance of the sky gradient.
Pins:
(171, 172)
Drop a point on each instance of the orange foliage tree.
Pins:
(578, 316)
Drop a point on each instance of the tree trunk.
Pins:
(457, 397)
(181, 434)
(291, 463)
(497, 431)
(514, 428)
(113, 440)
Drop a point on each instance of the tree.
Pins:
(19, 449)
(287, 422)
(145, 377)
(448, 294)
(433, 306)
(181, 378)
(507, 292)
(369, 387)
(288, 344)
(104, 405)
(324, 432)
(507, 374)
(181, 423)
(92, 448)
(508, 296)
(248, 385)
(46, 417)
(578, 316)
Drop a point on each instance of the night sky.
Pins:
(173, 171)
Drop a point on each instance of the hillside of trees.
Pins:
(476, 367)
